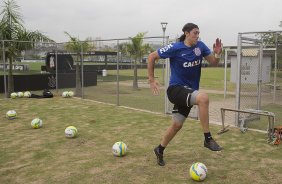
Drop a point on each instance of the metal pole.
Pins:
(82, 73)
(4, 67)
(56, 56)
(225, 73)
(163, 60)
(259, 76)
(118, 73)
(165, 65)
(275, 68)
(238, 80)
(166, 82)
(164, 24)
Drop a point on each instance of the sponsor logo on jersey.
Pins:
(164, 49)
(191, 64)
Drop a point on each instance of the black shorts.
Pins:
(180, 96)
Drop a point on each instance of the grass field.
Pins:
(211, 78)
(46, 156)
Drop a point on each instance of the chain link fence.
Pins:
(256, 71)
(113, 71)
(122, 77)
(110, 71)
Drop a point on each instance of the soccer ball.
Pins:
(14, 95)
(11, 114)
(198, 171)
(70, 94)
(70, 132)
(36, 123)
(65, 94)
(119, 149)
(20, 94)
(27, 94)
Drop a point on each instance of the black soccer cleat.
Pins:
(160, 160)
(212, 145)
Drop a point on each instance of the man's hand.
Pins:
(217, 46)
(154, 85)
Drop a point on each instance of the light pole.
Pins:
(164, 24)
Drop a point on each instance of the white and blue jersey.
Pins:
(185, 62)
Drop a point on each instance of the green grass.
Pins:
(34, 68)
(141, 98)
(211, 78)
(45, 156)
(262, 122)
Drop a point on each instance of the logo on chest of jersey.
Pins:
(197, 51)
(191, 64)
(164, 49)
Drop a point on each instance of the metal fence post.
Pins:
(238, 77)
(4, 63)
(118, 54)
(82, 72)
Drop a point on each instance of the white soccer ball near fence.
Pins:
(70, 93)
(20, 94)
(65, 94)
(27, 94)
(14, 95)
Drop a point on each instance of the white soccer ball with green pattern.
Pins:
(14, 95)
(27, 94)
(11, 114)
(65, 94)
(20, 94)
(36, 123)
(119, 149)
(70, 93)
(198, 171)
(71, 132)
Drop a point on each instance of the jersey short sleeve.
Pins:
(206, 51)
(167, 51)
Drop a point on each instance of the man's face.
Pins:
(193, 36)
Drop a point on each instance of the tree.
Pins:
(273, 39)
(76, 46)
(13, 30)
(137, 49)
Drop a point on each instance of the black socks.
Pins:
(208, 137)
(161, 149)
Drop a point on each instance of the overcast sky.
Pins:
(125, 18)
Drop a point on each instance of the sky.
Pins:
(110, 19)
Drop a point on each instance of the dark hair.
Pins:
(187, 27)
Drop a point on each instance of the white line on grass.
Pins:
(125, 107)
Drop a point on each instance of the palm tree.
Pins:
(12, 29)
(76, 46)
(137, 49)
